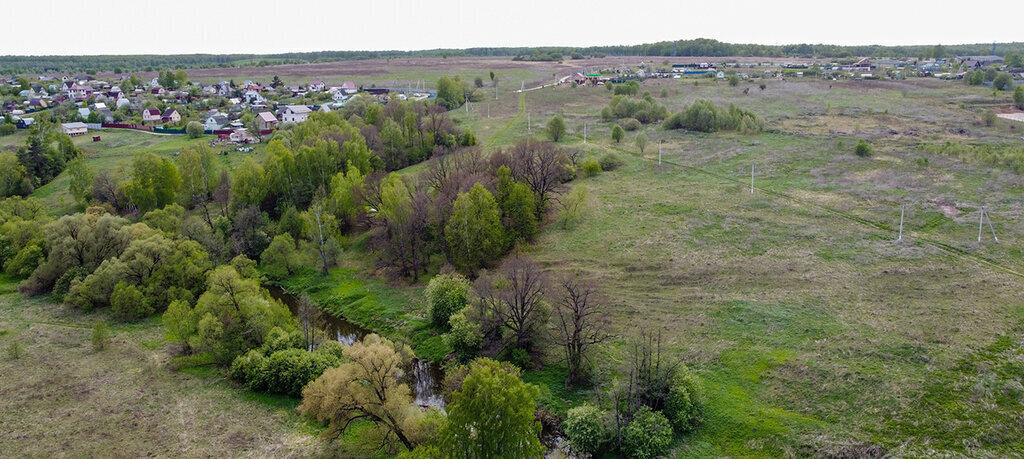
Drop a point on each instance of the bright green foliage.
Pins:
(1003, 81)
(446, 295)
(492, 415)
(474, 232)
(734, 80)
(25, 262)
(591, 167)
(862, 149)
(989, 117)
(79, 240)
(572, 205)
(1014, 60)
(248, 187)
(629, 88)
(237, 313)
(556, 128)
(705, 116)
(1018, 97)
(167, 219)
(154, 182)
(100, 335)
(518, 207)
(127, 302)
(642, 110)
(464, 338)
(284, 371)
(449, 93)
(585, 426)
(649, 434)
(975, 77)
(610, 162)
(618, 133)
(179, 322)
(194, 129)
(14, 179)
(200, 175)
(281, 258)
(641, 141)
(81, 179)
(684, 406)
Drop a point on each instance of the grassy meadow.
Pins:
(813, 330)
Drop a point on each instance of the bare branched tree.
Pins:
(514, 300)
(581, 322)
(543, 167)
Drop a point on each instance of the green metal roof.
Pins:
(593, 74)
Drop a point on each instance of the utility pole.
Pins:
(751, 179)
(529, 128)
(902, 209)
(659, 152)
(981, 221)
(584, 132)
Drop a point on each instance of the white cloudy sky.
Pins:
(264, 26)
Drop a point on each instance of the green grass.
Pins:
(115, 152)
(64, 398)
(813, 331)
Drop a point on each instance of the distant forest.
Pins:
(696, 47)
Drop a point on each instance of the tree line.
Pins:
(694, 47)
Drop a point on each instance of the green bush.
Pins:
(285, 371)
(127, 302)
(1018, 97)
(446, 295)
(464, 338)
(591, 167)
(194, 129)
(64, 281)
(26, 261)
(862, 149)
(585, 428)
(704, 116)
(617, 133)
(610, 162)
(1003, 81)
(7, 129)
(989, 117)
(100, 335)
(649, 434)
(630, 124)
(15, 350)
(684, 406)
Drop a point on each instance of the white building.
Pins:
(294, 113)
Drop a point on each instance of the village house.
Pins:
(151, 115)
(170, 115)
(294, 113)
(316, 85)
(216, 121)
(79, 92)
(349, 87)
(73, 129)
(266, 121)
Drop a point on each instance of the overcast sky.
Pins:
(263, 26)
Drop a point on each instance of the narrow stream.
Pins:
(424, 379)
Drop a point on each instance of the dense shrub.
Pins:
(705, 116)
(629, 88)
(649, 434)
(26, 261)
(1018, 97)
(610, 162)
(862, 149)
(644, 110)
(464, 339)
(446, 295)
(128, 303)
(284, 371)
(617, 133)
(1003, 81)
(684, 406)
(591, 167)
(630, 124)
(989, 117)
(194, 129)
(585, 428)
